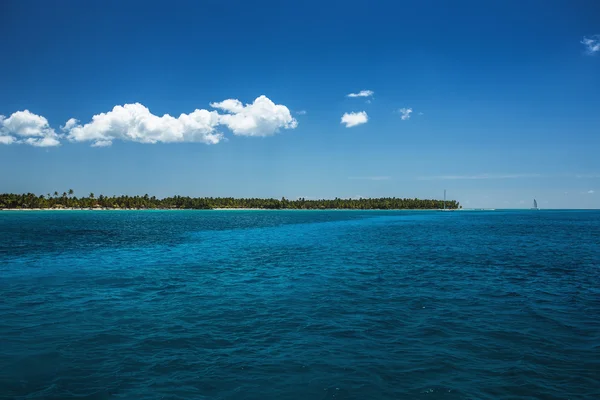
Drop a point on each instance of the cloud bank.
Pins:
(27, 128)
(362, 93)
(592, 44)
(354, 118)
(135, 123)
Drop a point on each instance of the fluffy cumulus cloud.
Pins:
(405, 113)
(261, 118)
(592, 44)
(135, 123)
(354, 118)
(27, 128)
(362, 93)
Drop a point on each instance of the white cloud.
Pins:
(135, 123)
(480, 176)
(7, 140)
(102, 143)
(28, 128)
(420, 113)
(405, 113)
(354, 118)
(370, 178)
(591, 192)
(261, 118)
(592, 44)
(229, 105)
(362, 93)
(42, 142)
(70, 124)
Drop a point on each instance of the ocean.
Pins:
(299, 305)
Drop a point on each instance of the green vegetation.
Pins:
(68, 200)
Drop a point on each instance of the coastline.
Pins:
(69, 202)
(237, 209)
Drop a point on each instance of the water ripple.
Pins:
(297, 305)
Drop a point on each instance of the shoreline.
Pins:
(238, 209)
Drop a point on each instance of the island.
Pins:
(68, 201)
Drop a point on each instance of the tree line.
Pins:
(69, 200)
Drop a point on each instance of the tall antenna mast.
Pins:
(444, 199)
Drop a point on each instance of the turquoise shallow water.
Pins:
(300, 305)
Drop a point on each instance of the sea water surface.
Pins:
(299, 305)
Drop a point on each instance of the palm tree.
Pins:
(55, 194)
(71, 192)
(91, 195)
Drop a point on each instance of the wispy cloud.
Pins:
(301, 112)
(592, 44)
(479, 176)
(591, 192)
(405, 113)
(369, 178)
(508, 176)
(362, 93)
(354, 119)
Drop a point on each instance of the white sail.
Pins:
(535, 206)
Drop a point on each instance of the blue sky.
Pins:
(505, 99)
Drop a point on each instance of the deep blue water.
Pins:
(300, 305)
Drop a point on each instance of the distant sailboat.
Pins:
(535, 207)
(445, 209)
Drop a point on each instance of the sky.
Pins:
(498, 102)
